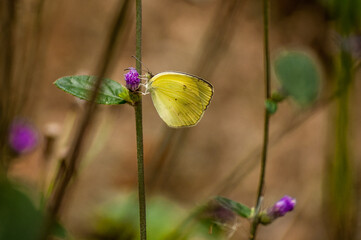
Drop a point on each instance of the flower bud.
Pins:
(132, 79)
(279, 209)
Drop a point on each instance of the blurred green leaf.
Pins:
(236, 207)
(110, 93)
(19, 219)
(59, 231)
(299, 76)
(271, 106)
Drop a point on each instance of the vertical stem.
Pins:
(141, 184)
(139, 127)
(266, 120)
(267, 77)
(7, 28)
(138, 32)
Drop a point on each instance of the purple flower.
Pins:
(132, 79)
(279, 209)
(22, 137)
(284, 205)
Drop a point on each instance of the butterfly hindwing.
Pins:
(180, 99)
(205, 91)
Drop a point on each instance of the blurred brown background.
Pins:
(221, 43)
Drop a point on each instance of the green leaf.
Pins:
(110, 93)
(19, 219)
(59, 231)
(299, 76)
(236, 207)
(271, 106)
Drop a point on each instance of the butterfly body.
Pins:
(179, 98)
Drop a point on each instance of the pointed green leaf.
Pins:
(299, 76)
(236, 207)
(110, 93)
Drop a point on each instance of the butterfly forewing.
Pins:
(180, 99)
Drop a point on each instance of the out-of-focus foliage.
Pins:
(346, 13)
(340, 199)
(19, 219)
(236, 207)
(299, 76)
(119, 219)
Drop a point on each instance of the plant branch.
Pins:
(267, 115)
(139, 127)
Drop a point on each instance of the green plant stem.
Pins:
(255, 221)
(139, 128)
(141, 184)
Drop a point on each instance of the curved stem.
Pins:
(139, 127)
(255, 221)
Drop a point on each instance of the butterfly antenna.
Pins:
(141, 63)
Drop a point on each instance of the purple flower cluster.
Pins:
(132, 79)
(22, 137)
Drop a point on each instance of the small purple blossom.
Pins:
(279, 209)
(22, 137)
(132, 79)
(284, 205)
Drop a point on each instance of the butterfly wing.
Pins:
(205, 90)
(180, 99)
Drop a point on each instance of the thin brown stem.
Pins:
(139, 128)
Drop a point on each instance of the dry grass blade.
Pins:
(56, 200)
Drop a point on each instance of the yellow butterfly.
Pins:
(179, 98)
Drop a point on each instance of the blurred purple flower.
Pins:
(132, 79)
(284, 205)
(22, 137)
(279, 209)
